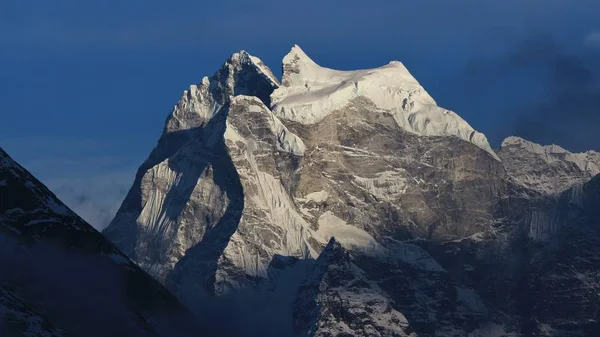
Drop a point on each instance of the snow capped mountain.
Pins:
(60, 277)
(310, 92)
(348, 203)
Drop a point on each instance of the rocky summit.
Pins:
(348, 203)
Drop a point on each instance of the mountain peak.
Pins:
(333, 199)
(309, 93)
(296, 65)
(297, 52)
(240, 74)
(549, 169)
(243, 62)
(552, 149)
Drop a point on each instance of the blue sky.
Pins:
(85, 86)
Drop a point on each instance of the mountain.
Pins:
(60, 277)
(347, 203)
(547, 169)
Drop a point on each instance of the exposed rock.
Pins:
(354, 200)
(338, 299)
(547, 169)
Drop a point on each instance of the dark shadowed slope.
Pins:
(60, 277)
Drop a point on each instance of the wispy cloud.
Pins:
(541, 88)
(570, 114)
(95, 197)
(84, 174)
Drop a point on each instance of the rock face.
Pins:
(350, 204)
(338, 298)
(60, 277)
(547, 169)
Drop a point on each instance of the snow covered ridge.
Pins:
(588, 161)
(310, 92)
(241, 74)
(548, 169)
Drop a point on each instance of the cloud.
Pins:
(569, 114)
(541, 87)
(85, 174)
(94, 197)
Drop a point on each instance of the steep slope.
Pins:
(236, 207)
(60, 277)
(338, 299)
(189, 175)
(210, 207)
(563, 281)
(374, 175)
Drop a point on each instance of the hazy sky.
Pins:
(85, 86)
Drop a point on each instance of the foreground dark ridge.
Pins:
(60, 277)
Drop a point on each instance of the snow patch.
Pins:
(348, 236)
(412, 254)
(263, 69)
(273, 197)
(319, 196)
(477, 237)
(57, 207)
(41, 221)
(386, 185)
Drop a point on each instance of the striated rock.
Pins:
(547, 169)
(188, 174)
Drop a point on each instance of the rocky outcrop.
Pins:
(338, 299)
(189, 174)
(549, 169)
